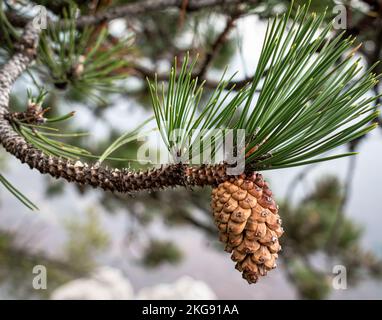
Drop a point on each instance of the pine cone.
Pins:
(246, 216)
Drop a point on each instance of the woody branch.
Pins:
(124, 180)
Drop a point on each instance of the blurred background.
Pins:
(164, 244)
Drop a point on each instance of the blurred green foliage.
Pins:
(159, 252)
(317, 228)
(85, 240)
(19, 255)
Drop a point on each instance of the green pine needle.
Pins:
(23, 199)
(48, 143)
(181, 109)
(123, 140)
(313, 97)
(45, 137)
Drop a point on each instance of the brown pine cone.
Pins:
(248, 222)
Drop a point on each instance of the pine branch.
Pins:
(22, 198)
(154, 5)
(82, 173)
(309, 103)
(299, 118)
(86, 60)
(137, 8)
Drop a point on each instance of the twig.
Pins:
(153, 5)
(134, 9)
(218, 44)
(196, 223)
(182, 14)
